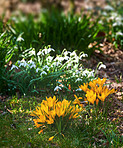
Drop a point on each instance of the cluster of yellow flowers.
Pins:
(95, 91)
(51, 111)
(58, 113)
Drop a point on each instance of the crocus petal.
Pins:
(51, 138)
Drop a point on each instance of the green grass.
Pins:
(73, 32)
(17, 129)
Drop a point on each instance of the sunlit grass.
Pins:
(17, 128)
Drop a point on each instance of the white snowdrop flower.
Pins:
(114, 14)
(14, 18)
(53, 64)
(19, 39)
(118, 19)
(79, 19)
(46, 51)
(117, 24)
(119, 33)
(37, 70)
(78, 80)
(89, 35)
(83, 55)
(91, 73)
(57, 88)
(108, 7)
(102, 66)
(46, 67)
(114, 24)
(15, 47)
(77, 72)
(100, 22)
(19, 62)
(66, 58)
(22, 60)
(111, 18)
(3, 34)
(43, 72)
(74, 73)
(78, 89)
(69, 64)
(60, 59)
(73, 54)
(49, 58)
(14, 66)
(40, 53)
(50, 49)
(23, 19)
(104, 13)
(81, 69)
(75, 67)
(24, 64)
(66, 53)
(76, 60)
(31, 62)
(58, 64)
(32, 52)
(32, 66)
(85, 73)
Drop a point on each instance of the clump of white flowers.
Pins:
(42, 64)
(113, 17)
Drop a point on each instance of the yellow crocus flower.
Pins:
(101, 82)
(59, 104)
(52, 113)
(42, 118)
(51, 101)
(84, 87)
(51, 138)
(102, 97)
(44, 108)
(91, 96)
(60, 111)
(41, 131)
(99, 90)
(77, 100)
(46, 113)
(112, 91)
(75, 115)
(66, 103)
(92, 85)
(36, 123)
(50, 120)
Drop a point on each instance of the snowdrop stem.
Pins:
(97, 68)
